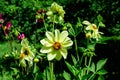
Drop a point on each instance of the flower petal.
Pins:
(57, 35)
(86, 22)
(63, 35)
(46, 49)
(22, 63)
(58, 56)
(50, 36)
(89, 27)
(64, 53)
(51, 56)
(67, 42)
(46, 42)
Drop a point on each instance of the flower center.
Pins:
(26, 52)
(56, 46)
(22, 55)
(94, 27)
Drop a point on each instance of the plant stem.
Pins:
(45, 25)
(90, 60)
(91, 76)
(51, 71)
(53, 23)
(81, 60)
(35, 32)
(76, 47)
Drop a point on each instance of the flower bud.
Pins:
(36, 60)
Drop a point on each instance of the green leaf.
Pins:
(74, 60)
(92, 68)
(99, 18)
(36, 68)
(100, 64)
(101, 78)
(101, 24)
(72, 31)
(102, 72)
(81, 49)
(66, 75)
(71, 68)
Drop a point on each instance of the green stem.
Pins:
(90, 60)
(35, 33)
(51, 71)
(76, 47)
(81, 60)
(91, 76)
(85, 60)
(53, 24)
(45, 25)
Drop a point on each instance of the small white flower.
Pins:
(55, 45)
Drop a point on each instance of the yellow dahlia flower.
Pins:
(27, 55)
(92, 28)
(57, 10)
(55, 45)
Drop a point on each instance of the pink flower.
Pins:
(8, 24)
(0, 15)
(1, 20)
(21, 36)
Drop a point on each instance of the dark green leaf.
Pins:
(100, 64)
(101, 78)
(102, 72)
(70, 67)
(66, 75)
(74, 60)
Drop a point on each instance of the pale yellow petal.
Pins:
(63, 35)
(50, 36)
(57, 35)
(89, 27)
(46, 49)
(22, 63)
(86, 22)
(67, 42)
(64, 53)
(51, 56)
(46, 42)
(58, 56)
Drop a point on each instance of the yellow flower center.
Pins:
(56, 46)
(88, 35)
(94, 27)
(22, 55)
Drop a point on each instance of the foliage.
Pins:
(30, 28)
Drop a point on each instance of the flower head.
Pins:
(57, 10)
(8, 24)
(21, 36)
(27, 55)
(1, 21)
(55, 45)
(40, 15)
(92, 30)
